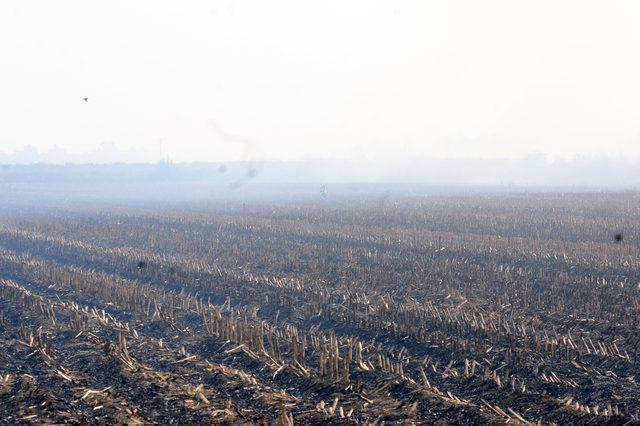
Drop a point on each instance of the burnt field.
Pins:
(366, 311)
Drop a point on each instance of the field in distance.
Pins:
(461, 309)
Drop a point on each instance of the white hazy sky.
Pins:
(223, 80)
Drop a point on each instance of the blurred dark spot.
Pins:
(222, 168)
(142, 264)
(251, 173)
(617, 237)
(172, 271)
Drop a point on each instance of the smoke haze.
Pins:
(341, 81)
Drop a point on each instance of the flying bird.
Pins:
(85, 99)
